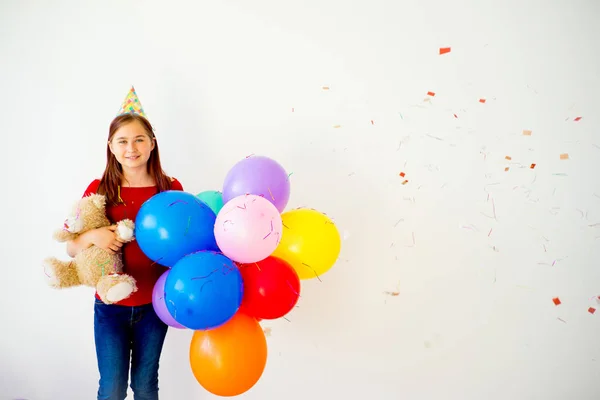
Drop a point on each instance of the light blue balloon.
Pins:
(213, 199)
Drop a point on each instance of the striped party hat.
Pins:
(131, 104)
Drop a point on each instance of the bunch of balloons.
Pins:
(235, 257)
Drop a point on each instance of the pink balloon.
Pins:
(248, 228)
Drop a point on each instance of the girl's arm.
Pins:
(81, 242)
(105, 238)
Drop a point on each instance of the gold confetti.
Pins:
(526, 132)
(337, 126)
(325, 87)
(564, 156)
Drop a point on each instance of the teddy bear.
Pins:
(94, 267)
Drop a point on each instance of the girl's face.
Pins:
(131, 146)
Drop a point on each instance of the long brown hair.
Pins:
(113, 173)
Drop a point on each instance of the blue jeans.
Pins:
(123, 334)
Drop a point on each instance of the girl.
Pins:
(128, 331)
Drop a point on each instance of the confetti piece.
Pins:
(591, 310)
(556, 301)
(577, 119)
(506, 169)
(392, 293)
(430, 94)
(532, 166)
(482, 101)
(292, 109)
(267, 331)
(526, 133)
(455, 116)
(564, 156)
(372, 123)
(325, 87)
(405, 182)
(337, 126)
(402, 174)
(508, 158)
(444, 50)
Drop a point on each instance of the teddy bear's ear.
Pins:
(99, 201)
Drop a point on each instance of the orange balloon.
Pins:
(228, 360)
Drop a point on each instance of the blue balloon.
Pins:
(173, 224)
(203, 290)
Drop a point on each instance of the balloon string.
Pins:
(175, 309)
(228, 268)
(293, 290)
(188, 226)
(177, 201)
(202, 287)
(313, 270)
(273, 198)
(204, 277)
(269, 234)
(102, 266)
(156, 262)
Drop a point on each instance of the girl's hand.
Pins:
(106, 238)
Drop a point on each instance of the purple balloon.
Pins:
(260, 176)
(158, 302)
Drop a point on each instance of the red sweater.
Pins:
(145, 271)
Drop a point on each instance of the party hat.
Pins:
(131, 104)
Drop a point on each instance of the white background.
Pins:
(474, 318)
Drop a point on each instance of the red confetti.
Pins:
(591, 310)
(455, 116)
(556, 301)
(402, 174)
(532, 166)
(444, 50)
(431, 94)
(482, 101)
(577, 119)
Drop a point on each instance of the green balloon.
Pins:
(213, 199)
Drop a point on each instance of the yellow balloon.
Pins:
(310, 242)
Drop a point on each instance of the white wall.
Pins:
(474, 317)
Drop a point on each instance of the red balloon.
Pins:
(271, 288)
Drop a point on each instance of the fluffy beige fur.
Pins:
(93, 266)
